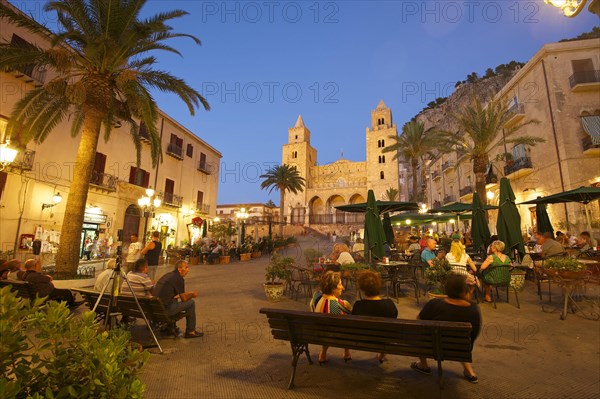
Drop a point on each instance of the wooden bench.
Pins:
(22, 288)
(439, 340)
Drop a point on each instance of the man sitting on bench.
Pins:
(42, 286)
(171, 288)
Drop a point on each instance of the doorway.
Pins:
(89, 231)
(131, 223)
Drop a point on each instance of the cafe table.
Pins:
(397, 272)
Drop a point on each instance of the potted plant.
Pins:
(436, 275)
(517, 278)
(195, 255)
(221, 232)
(568, 268)
(277, 273)
(256, 250)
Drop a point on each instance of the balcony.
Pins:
(436, 175)
(466, 191)
(325, 218)
(449, 199)
(202, 208)
(103, 181)
(515, 114)
(205, 167)
(460, 154)
(144, 135)
(448, 166)
(519, 167)
(589, 148)
(31, 74)
(170, 199)
(175, 151)
(585, 81)
(436, 204)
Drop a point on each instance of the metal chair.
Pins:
(406, 275)
(463, 270)
(499, 276)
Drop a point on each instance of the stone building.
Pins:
(559, 87)
(343, 181)
(186, 180)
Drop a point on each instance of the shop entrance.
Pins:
(131, 223)
(89, 231)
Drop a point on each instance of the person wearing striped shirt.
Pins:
(139, 280)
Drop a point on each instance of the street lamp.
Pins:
(242, 215)
(490, 195)
(571, 8)
(148, 205)
(56, 198)
(7, 154)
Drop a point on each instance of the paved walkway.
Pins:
(522, 353)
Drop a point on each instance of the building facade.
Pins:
(560, 88)
(186, 181)
(341, 182)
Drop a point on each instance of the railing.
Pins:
(588, 144)
(580, 77)
(449, 198)
(104, 180)
(460, 154)
(34, 72)
(516, 108)
(144, 135)
(325, 218)
(205, 167)
(517, 164)
(436, 204)
(355, 218)
(175, 151)
(171, 199)
(203, 208)
(465, 191)
(447, 165)
(435, 175)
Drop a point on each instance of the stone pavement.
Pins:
(521, 353)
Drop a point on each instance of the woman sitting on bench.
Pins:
(457, 307)
(328, 301)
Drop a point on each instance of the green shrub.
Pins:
(46, 352)
(436, 275)
(279, 268)
(310, 254)
(563, 264)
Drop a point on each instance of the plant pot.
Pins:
(256, 254)
(567, 274)
(274, 291)
(245, 257)
(517, 280)
(194, 260)
(224, 259)
(433, 295)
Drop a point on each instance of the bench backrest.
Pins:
(438, 340)
(22, 288)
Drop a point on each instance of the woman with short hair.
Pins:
(328, 301)
(497, 258)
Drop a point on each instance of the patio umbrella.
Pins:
(374, 234)
(508, 224)
(583, 195)
(425, 218)
(480, 231)
(204, 229)
(382, 206)
(242, 233)
(270, 230)
(388, 229)
(543, 221)
(459, 208)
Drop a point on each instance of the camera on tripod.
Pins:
(118, 259)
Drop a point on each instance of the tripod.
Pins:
(113, 303)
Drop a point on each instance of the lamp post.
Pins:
(571, 8)
(241, 216)
(148, 205)
(7, 155)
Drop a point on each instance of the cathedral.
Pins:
(341, 182)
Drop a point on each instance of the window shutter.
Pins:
(132, 173)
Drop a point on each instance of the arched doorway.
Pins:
(131, 222)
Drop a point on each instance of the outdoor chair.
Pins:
(292, 284)
(499, 276)
(406, 275)
(306, 284)
(464, 271)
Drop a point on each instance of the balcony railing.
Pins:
(582, 77)
(325, 218)
(205, 167)
(170, 199)
(449, 198)
(175, 151)
(518, 164)
(352, 218)
(32, 74)
(144, 135)
(514, 114)
(588, 144)
(104, 180)
(466, 191)
(202, 208)
(460, 154)
(448, 165)
(436, 175)
(436, 204)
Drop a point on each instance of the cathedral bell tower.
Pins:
(382, 170)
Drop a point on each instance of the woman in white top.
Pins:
(458, 256)
(341, 254)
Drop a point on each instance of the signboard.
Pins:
(197, 221)
(94, 218)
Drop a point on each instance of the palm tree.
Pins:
(415, 144)
(482, 130)
(391, 194)
(100, 53)
(283, 178)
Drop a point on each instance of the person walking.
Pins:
(133, 252)
(151, 253)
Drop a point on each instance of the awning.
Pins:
(591, 125)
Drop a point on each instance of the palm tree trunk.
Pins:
(424, 183)
(479, 167)
(281, 208)
(414, 165)
(67, 258)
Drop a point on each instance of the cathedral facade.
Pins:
(341, 182)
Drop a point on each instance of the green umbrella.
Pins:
(543, 221)
(480, 232)
(204, 228)
(374, 234)
(388, 229)
(383, 206)
(508, 224)
(425, 218)
(458, 209)
(243, 233)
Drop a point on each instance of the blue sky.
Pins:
(263, 63)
